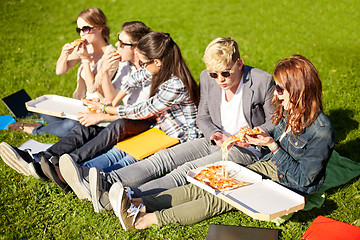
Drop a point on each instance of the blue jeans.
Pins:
(56, 126)
(111, 160)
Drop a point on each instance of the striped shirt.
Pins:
(171, 105)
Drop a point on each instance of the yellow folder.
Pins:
(146, 143)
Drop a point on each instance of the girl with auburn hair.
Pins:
(304, 107)
(300, 149)
(90, 52)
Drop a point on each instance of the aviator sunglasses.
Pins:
(279, 90)
(84, 29)
(144, 64)
(225, 73)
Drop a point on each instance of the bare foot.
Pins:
(145, 220)
(28, 129)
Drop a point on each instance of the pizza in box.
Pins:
(214, 176)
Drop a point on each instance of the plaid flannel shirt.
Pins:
(171, 105)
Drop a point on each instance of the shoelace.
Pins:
(133, 211)
(129, 192)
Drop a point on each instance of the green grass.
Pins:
(33, 33)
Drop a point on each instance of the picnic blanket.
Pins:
(339, 170)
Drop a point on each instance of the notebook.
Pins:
(146, 143)
(225, 232)
(330, 229)
(16, 103)
(5, 121)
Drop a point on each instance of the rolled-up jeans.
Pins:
(185, 205)
(56, 126)
(111, 160)
(148, 176)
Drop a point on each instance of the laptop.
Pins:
(225, 232)
(16, 103)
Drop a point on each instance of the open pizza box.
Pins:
(58, 106)
(262, 199)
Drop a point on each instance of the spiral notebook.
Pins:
(146, 143)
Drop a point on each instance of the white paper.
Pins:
(35, 146)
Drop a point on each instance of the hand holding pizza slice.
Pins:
(77, 42)
(244, 131)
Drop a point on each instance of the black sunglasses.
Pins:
(225, 73)
(144, 64)
(84, 29)
(122, 44)
(279, 89)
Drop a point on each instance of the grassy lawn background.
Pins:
(33, 33)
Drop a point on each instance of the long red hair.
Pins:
(298, 76)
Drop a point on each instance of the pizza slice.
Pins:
(247, 131)
(77, 42)
(225, 145)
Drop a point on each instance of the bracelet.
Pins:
(103, 108)
(85, 61)
(276, 146)
(274, 149)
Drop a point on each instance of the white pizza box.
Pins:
(263, 199)
(58, 106)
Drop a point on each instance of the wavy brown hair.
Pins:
(97, 18)
(158, 45)
(298, 76)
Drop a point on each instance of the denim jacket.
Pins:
(301, 160)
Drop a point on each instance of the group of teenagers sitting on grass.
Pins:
(148, 75)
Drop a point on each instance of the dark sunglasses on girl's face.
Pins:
(144, 64)
(84, 29)
(122, 44)
(279, 90)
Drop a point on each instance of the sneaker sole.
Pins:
(115, 195)
(34, 172)
(94, 181)
(51, 174)
(69, 171)
(13, 159)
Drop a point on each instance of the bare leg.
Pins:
(28, 129)
(145, 220)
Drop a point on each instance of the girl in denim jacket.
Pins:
(300, 149)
